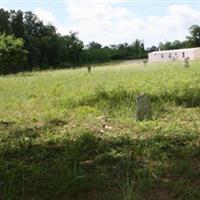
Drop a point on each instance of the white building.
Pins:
(172, 55)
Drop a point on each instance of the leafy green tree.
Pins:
(12, 54)
(17, 24)
(4, 22)
(51, 51)
(178, 44)
(194, 38)
(94, 53)
(173, 45)
(94, 45)
(72, 48)
(37, 35)
(33, 26)
(152, 48)
(135, 50)
(32, 30)
(138, 49)
(165, 46)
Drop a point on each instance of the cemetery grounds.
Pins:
(70, 134)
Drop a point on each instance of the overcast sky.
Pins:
(116, 21)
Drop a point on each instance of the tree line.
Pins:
(26, 44)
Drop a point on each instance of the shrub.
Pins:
(12, 54)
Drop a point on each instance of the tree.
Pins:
(94, 53)
(33, 26)
(17, 24)
(73, 48)
(152, 48)
(35, 30)
(178, 44)
(173, 45)
(12, 54)
(4, 22)
(94, 45)
(51, 50)
(138, 49)
(194, 38)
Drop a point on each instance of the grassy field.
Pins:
(70, 135)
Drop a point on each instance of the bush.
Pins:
(12, 54)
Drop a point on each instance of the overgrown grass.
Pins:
(67, 134)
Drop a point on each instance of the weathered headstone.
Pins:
(143, 108)
(89, 68)
(145, 62)
(186, 62)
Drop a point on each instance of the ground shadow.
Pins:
(93, 167)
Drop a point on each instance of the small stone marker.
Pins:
(143, 108)
(145, 62)
(186, 62)
(89, 68)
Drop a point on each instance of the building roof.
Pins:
(175, 50)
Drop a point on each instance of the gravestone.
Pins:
(143, 108)
(145, 62)
(186, 62)
(89, 68)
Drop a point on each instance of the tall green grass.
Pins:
(68, 134)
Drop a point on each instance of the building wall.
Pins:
(197, 54)
(185, 54)
(174, 55)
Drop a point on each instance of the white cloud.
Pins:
(95, 21)
(45, 16)
(178, 18)
(110, 23)
(174, 25)
(88, 10)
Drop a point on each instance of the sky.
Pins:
(116, 21)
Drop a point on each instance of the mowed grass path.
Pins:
(68, 134)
